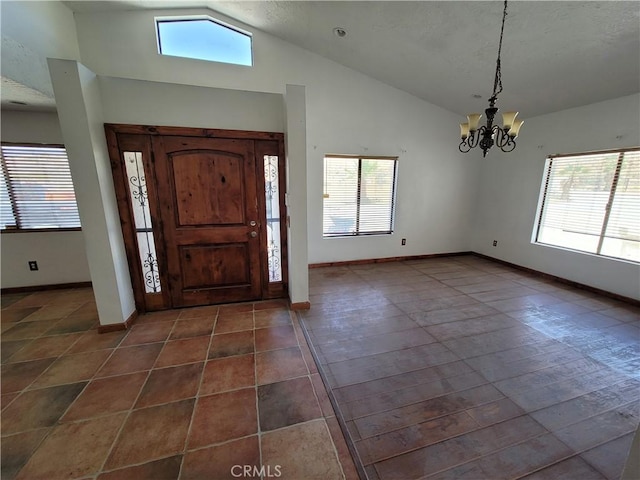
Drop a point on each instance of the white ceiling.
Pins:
(16, 96)
(556, 55)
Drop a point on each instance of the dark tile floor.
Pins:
(461, 367)
(184, 394)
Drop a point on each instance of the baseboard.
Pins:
(565, 281)
(116, 327)
(300, 306)
(387, 259)
(38, 288)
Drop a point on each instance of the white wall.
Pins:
(296, 199)
(82, 125)
(46, 27)
(31, 32)
(347, 112)
(154, 103)
(436, 184)
(510, 187)
(60, 255)
(441, 193)
(30, 127)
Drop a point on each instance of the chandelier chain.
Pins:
(486, 136)
(497, 84)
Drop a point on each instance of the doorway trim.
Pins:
(125, 137)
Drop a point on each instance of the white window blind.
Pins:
(591, 203)
(7, 218)
(359, 195)
(36, 191)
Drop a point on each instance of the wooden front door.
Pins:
(202, 212)
(210, 222)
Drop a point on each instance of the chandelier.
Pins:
(488, 135)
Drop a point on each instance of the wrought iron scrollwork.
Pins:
(271, 180)
(139, 199)
(138, 187)
(273, 261)
(151, 275)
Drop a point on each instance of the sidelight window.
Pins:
(272, 193)
(139, 201)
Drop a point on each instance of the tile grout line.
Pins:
(256, 389)
(388, 391)
(357, 461)
(493, 452)
(60, 385)
(295, 319)
(515, 375)
(26, 388)
(57, 423)
(454, 391)
(197, 396)
(372, 281)
(130, 411)
(444, 415)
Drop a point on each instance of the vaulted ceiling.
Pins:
(556, 55)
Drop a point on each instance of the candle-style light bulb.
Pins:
(464, 130)
(515, 128)
(507, 119)
(474, 120)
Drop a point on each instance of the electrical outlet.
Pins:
(495, 243)
(404, 241)
(33, 265)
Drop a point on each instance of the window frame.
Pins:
(392, 218)
(12, 199)
(542, 199)
(190, 18)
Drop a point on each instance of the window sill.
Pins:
(361, 235)
(39, 230)
(582, 252)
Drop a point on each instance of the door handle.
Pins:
(252, 223)
(254, 234)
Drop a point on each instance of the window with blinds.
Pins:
(359, 195)
(591, 203)
(36, 190)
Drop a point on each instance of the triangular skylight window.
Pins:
(204, 39)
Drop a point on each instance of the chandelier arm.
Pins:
(509, 146)
(464, 147)
(502, 138)
(474, 138)
(469, 142)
